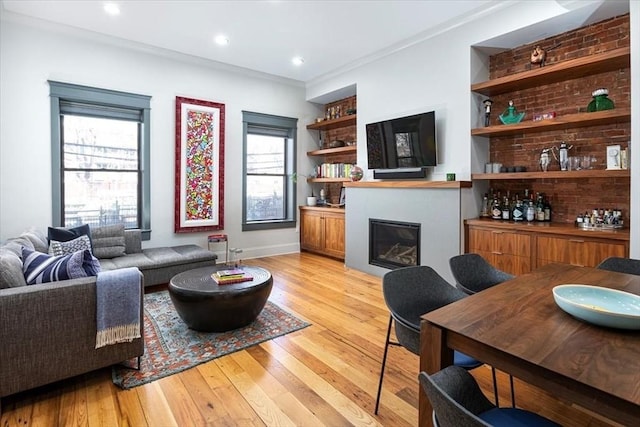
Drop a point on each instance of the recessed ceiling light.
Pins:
(112, 9)
(222, 40)
(298, 60)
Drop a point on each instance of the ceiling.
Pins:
(331, 35)
(264, 35)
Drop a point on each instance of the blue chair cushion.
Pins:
(464, 361)
(514, 417)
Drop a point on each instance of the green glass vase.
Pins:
(600, 103)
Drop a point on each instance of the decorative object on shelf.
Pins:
(624, 158)
(356, 173)
(487, 111)
(311, 200)
(350, 111)
(511, 115)
(496, 167)
(538, 56)
(564, 155)
(199, 165)
(337, 143)
(544, 116)
(545, 160)
(613, 157)
(600, 101)
(451, 177)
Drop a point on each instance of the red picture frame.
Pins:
(199, 165)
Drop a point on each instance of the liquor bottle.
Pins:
(496, 209)
(517, 213)
(547, 210)
(539, 208)
(531, 211)
(506, 212)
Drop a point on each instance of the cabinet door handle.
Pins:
(496, 253)
(497, 232)
(576, 241)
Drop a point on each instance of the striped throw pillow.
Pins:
(43, 268)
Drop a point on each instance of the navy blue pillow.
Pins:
(60, 234)
(42, 268)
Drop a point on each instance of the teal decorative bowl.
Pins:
(599, 306)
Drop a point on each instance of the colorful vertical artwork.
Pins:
(199, 163)
(199, 190)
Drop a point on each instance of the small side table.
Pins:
(219, 238)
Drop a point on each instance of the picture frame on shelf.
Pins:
(199, 165)
(613, 157)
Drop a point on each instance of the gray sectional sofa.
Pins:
(48, 330)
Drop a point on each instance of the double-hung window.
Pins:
(269, 195)
(100, 157)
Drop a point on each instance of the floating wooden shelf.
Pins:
(597, 118)
(334, 123)
(566, 70)
(339, 150)
(589, 173)
(328, 179)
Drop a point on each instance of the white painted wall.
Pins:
(32, 52)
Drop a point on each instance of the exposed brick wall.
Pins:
(346, 134)
(568, 196)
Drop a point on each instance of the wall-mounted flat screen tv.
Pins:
(405, 142)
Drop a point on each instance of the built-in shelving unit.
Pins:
(570, 69)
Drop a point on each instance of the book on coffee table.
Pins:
(234, 272)
(229, 279)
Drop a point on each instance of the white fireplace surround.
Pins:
(438, 208)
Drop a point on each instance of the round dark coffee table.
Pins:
(208, 307)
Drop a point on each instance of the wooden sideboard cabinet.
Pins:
(509, 251)
(322, 230)
(580, 251)
(521, 248)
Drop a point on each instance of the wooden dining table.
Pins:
(517, 328)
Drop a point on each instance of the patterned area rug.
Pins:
(171, 347)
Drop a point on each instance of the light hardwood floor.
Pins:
(326, 374)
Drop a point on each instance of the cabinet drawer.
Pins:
(576, 251)
(480, 240)
(512, 243)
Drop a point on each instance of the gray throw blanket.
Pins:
(118, 306)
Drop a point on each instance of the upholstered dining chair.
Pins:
(410, 292)
(457, 401)
(621, 265)
(474, 274)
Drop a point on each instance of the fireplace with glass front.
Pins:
(393, 244)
